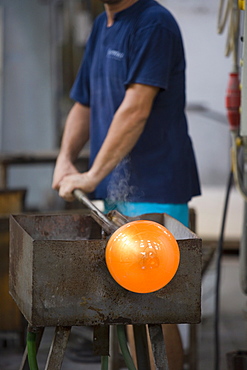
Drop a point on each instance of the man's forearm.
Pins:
(125, 130)
(76, 132)
(75, 135)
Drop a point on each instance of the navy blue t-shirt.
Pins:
(144, 46)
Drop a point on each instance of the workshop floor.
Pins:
(232, 325)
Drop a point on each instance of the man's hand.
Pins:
(83, 181)
(63, 168)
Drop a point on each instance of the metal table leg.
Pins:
(158, 347)
(141, 347)
(58, 347)
(114, 359)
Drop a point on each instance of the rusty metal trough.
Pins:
(58, 275)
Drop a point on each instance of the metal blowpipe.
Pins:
(108, 226)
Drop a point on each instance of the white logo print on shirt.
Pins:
(114, 54)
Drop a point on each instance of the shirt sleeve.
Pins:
(80, 91)
(151, 56)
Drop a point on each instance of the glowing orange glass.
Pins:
(142, 256)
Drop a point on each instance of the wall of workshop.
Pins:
(28, 120)
(207, 77)
(28, 110)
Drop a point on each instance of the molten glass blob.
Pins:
(142, 256)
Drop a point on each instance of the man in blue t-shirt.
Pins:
(129, 100)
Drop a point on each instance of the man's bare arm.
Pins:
(75, 136)
(125, 130)
(127, 125)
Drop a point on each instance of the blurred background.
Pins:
(41, 46)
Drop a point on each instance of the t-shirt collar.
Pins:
(133, 9)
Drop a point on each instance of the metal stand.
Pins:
(141, 345)
(81, 292)
(61, 337)
(158, 346)
(57, 349)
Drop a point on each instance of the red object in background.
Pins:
(233, 101)
(142, 256)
